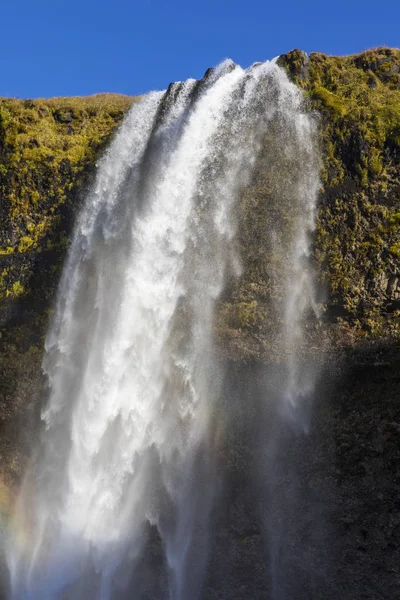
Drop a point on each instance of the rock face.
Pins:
(344, 529)
(325, 520)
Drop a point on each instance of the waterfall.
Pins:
(132, 371)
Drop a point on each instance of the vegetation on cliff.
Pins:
(48, 148)
(358, 232)
(356, 101)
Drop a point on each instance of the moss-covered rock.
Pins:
(356, 100)
(48, 149)
(358, 230)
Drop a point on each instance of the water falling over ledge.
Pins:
(133, 373)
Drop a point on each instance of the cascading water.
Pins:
(292, 165)
(132, 373)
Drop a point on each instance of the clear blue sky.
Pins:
(63, 48)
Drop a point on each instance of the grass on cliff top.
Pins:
(364, 87)
(58, 128)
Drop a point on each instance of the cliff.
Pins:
(48, 152)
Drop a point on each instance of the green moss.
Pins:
(17, 289)
(337, 105)
(240, 315)
(395, 250)
(45, 148)
(25, 243)
(394, 220)
(7, 250)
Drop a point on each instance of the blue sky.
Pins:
(63, 48)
